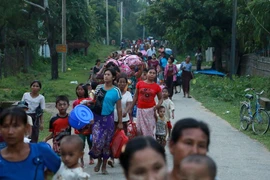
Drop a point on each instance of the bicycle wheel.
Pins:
(244, 116)
(260, 123)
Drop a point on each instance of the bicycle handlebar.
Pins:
(252, 89)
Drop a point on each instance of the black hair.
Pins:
(188, 123)
(112, 71)
(122, 75)
(172, 58)
(94, 85)
(203, 159)
(165, 88)
(16, 113)
(139, 54)
(61, 98)
(75, 139)
(151, 68)
(161, 107)
(109, 65)
(86, 95)
(137, 144)
(36, 81)
(149, 57)
(97, 61)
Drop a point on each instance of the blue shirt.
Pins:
(110, 99)
(188, 66)
(40, 156)
(163, 62)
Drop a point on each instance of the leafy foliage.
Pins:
(226, 90)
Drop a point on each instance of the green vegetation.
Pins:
(222, 96)
(189, 25)
(13, 87)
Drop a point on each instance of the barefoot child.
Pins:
(59, 126)
(161, 126)
(72, 149)
(169, 109)
(199, 167)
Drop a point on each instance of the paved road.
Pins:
(238, 157)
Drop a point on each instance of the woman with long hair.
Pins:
(144, 97)
(106, 97)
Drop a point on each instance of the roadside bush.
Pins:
(224, 89)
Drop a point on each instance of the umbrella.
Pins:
(125, 69)
(132, 60)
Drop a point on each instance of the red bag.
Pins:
(118, 141)
(131, 130)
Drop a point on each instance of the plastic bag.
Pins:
(118, 141)
(131, 130)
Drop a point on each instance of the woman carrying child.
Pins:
(106, 97)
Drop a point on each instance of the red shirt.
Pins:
(146, 94)
(59, 126)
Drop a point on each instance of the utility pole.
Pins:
(144, 26)
(233, 41)
(107, 22)
(121, 20)
(64, 42)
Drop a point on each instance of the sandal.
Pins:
(111, 163)
(97, 167)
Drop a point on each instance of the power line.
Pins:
(256, 18)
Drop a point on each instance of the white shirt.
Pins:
(127, 97)
(64, 173)
(33, 103)
(150, 52)
(169, 106)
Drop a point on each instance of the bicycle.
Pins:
(259, 119)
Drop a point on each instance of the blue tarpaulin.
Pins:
(210, 72)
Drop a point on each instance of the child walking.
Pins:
(169, 109)
(82, 94)
(59, 126)
(161, 126)
(24, 105)
(72, 149)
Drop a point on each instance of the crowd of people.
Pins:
(118, 92)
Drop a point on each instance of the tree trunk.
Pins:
(52, 44)
(218, 54)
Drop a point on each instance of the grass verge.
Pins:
(13, 87)
(223, 96)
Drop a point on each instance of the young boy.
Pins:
(161, 126)
(198, 167)
(59, 126)
(169, 109)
